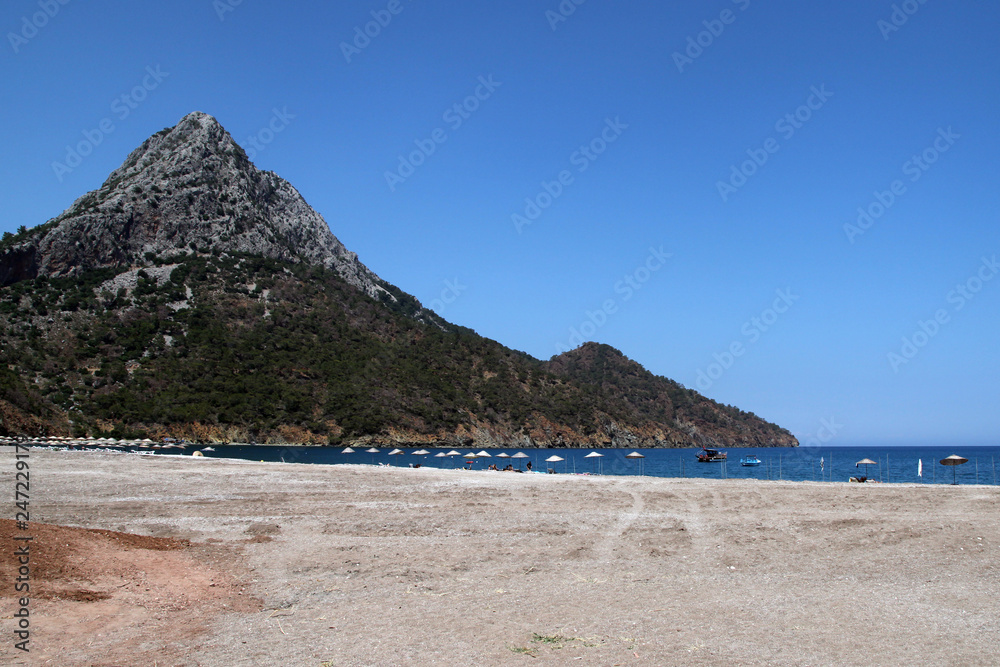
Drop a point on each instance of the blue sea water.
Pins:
(819, 464)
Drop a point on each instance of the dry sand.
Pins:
(291, 564)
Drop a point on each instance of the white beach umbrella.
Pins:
(520, 455)
(453, 453)
(373, 451)
(347, 450)
(596, 455)
(421, 452)
(639, 457)
(485, 454)
(554, 459)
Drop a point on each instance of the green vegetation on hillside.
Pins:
(262, 346)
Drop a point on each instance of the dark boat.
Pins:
(708, 455)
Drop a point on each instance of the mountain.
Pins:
(186, 188)
(194, 295)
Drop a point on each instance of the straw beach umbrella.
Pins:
(554, 459)
(520, 455)
(347, 450)
(373, 451)
(396, 452)
(865, 463)
(954, 460)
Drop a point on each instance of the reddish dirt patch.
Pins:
(61, 556)
(118, 591)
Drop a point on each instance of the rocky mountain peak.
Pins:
(187, 189)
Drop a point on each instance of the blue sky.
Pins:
(738, 137)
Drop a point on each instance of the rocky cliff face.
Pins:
(186, 189)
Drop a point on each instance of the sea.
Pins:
(897, 464)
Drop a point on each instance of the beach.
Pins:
(244, 563)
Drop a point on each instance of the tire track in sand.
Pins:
(695, 523)
(605, 548)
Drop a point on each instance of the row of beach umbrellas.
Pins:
(953, 460)
(87, 441)
(424, 452)
(483, 454)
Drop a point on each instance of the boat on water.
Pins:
(708, 455)
(750, 461)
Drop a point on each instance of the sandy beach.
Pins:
(241, 563)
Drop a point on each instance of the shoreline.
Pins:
(426, 467)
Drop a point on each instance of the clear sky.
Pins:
(739, 137)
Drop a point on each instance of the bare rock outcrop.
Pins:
(186, 189)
